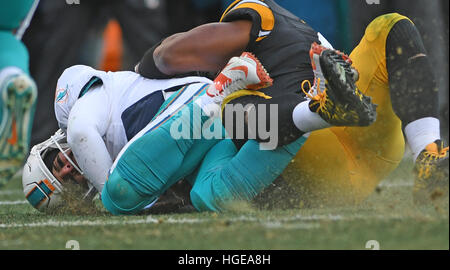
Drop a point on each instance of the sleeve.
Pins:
(87, 124)
(258, 12)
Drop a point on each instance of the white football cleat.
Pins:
(18, 94)
(241, 73)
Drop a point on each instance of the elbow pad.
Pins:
(147, 66)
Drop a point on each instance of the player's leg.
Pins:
(18, 95)
(149, 162)
(414, 94)
(326, 172)
(337, 103)
(227, 175)
(357, 158)
(14, 15)
(17, 89)
(161, 154)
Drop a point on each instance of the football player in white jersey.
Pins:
(98, 113)
(115, 106)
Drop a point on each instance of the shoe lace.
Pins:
(321, 96)
(427, 160)
(437, 155)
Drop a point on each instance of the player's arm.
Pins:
(205, 48)
(209, 47)
(86, 126)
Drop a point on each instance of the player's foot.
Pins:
(18, 95)
(431, 173)
(334, 95)
(319, 80)
(241, 73)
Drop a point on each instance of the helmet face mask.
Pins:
(41, 188)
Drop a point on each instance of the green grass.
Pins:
(388, 216)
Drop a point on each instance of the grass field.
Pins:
(388, 216)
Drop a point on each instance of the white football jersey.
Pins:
(126, 89)
(95, 121)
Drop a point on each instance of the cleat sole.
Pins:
(17, 98)
(263, 75)
(361, 110)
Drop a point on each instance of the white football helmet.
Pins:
(41, 188)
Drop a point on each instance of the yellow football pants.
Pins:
(343, 165)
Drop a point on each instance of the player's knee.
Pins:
(380, 27)
(120, 198)
(385, 21)
(404, 42)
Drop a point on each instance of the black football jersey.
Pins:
(280, 40)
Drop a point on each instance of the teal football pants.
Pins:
(227, 175)
(218, 172)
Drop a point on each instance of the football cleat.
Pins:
(340, 103)
(241, 73)
(319, 80)
(431, 173)
(18, 95)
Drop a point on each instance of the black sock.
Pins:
(413, 87)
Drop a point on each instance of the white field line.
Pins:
(294, 226)
(330, 217)
(283, 222)
(148, 220)
(13, 202)
(55, 223)
(303, 221)
(11, 192)
(396, 184)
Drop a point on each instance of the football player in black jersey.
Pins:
(392, 64)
